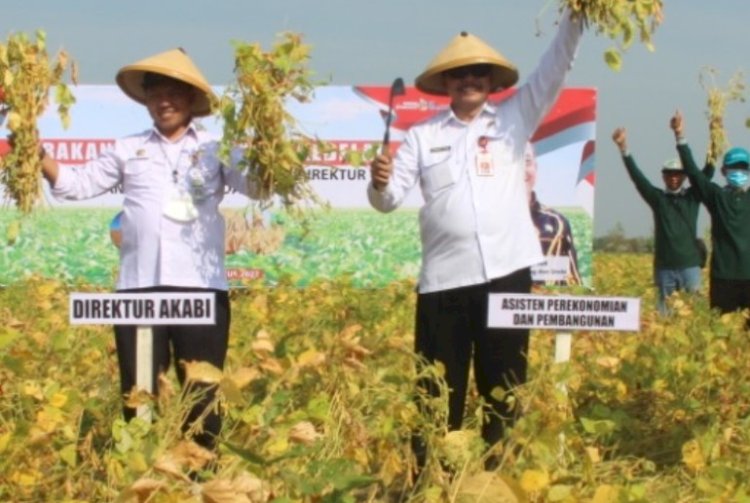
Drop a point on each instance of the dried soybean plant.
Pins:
(718, 99)
(621, 21)
(257, 121)
(27, 74)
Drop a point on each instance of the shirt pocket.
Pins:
(136, 173)
(136, 166)
(438, 172)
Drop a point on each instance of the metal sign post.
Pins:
(144, 367)
(563, 342)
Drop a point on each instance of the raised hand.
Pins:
(676, 124)
(620, 137)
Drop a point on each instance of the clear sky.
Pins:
(358, 42)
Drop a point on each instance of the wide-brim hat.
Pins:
(463, 50)
(175, 64)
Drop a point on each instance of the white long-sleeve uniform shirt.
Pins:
(157, 250)
(475, 228)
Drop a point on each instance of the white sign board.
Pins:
(142, 308)
(563, 312)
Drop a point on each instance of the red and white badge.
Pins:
(484, 164)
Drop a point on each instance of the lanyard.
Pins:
(173, 164)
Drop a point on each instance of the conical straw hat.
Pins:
(175, 64)
(466, 49)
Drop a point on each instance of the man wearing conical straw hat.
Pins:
(172, 234)
(476, 230)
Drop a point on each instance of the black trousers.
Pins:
(185, 342)
(729, 295)
(451, 328)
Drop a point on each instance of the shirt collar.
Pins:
(488, 110)
(155, 135)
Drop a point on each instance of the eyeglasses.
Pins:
(478, 71)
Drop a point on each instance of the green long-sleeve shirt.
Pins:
(730, 221)
(675, 217)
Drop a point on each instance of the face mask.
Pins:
(737, 178)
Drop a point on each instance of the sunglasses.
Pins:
(481, 70)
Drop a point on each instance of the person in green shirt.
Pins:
(677, 257)
(729, 207)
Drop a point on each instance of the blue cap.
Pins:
(737, 157)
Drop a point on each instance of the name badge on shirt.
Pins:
(445, 148)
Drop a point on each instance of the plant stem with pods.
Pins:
(27, 74)
(257, 122)
(718, 99)
(619, 20)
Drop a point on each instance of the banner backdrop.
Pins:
(71, 240)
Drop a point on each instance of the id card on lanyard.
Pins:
(484, 162)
